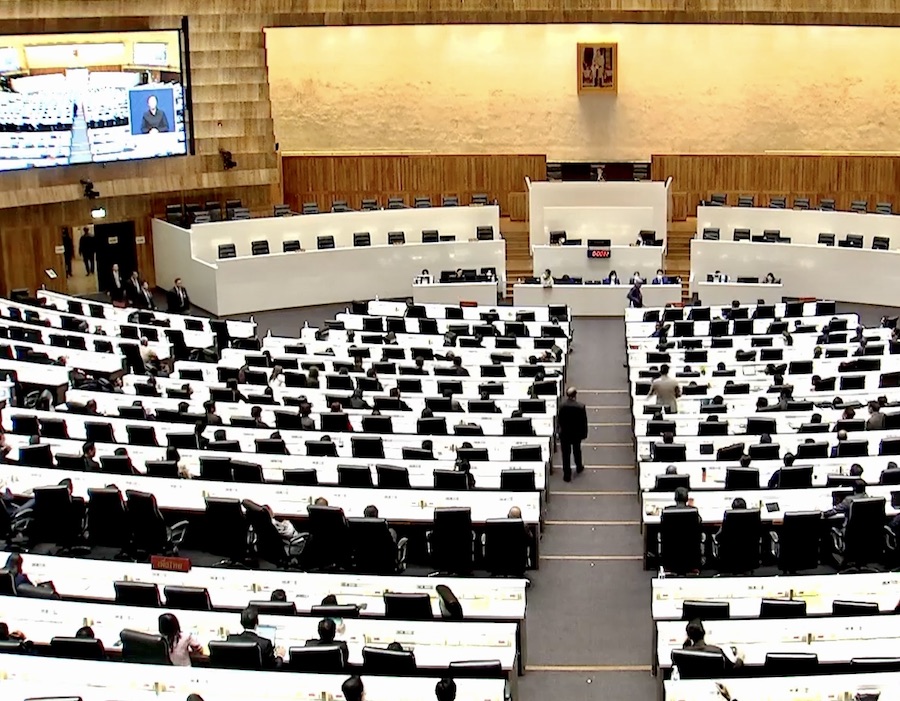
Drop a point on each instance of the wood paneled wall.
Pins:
(843, 178)
(324, 179)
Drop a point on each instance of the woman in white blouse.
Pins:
(180, 646)
(277, 377)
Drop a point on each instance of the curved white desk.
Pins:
(595, 300)
(744, 292)
(455, 292)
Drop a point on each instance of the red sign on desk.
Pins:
(599, 253)
(170, 564)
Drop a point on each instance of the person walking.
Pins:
(87, 250)
(572, 425)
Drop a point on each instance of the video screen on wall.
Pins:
(67, 99)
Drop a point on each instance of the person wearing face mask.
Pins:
(659, 279)
(613, 278)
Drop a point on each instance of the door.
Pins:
(115, 244)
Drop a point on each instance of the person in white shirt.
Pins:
(660, 278)
(547, 278)
(277, 377)
(285, 528)
(148, 355)
(180, 646)
(613, 278)
(424, 278)
(718, 276)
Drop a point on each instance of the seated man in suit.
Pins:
(841, 436)
(179, 302)
(327, 631)
(89, 452)
(249, 622)
(843, 509)
(696, 640)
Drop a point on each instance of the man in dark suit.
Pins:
(89, 452)
(327, 631)
(249, 621)
(573, 428)
(133, 289)
(178, 299)
(145, 299)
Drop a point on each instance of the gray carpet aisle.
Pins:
(589, 627)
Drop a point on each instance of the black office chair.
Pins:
(77, 648)
(99, 432)
(706, 610)
(517, 480)
(854, 608)
(451, 542)
(151, 535)
(57, 518)
(505, 544)
(187, 598)
(232, 654)
(374, 548)
(793, 664)
(354, 475)
(392, 477)
(796, 546)
(861, 541)
(737, 545)
(408, 607)
(699, 664)
(54, 428)
(318, 659)
(146, 648)
(329, 546)
(782, 608)
(475, 669)
(107, 519)
(227, 532)
(267, 542)
(451, 480)
(681, 540)
(738, 478)
(137, 594)
(141, 435)
(382, 661)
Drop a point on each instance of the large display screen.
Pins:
(92, 98)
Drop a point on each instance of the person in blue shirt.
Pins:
(660, 278)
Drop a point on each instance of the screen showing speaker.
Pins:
(67, 99)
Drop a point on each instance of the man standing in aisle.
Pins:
(572, 425)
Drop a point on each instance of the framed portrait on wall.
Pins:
(598, 68)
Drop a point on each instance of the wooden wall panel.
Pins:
(352, 178)
(843, 178)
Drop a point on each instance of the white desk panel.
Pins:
(26, 677)
(461, 222)
(281, 280)
(382, 307)
(573, 261)
(619, 224)
(801, 226)
(809, 309)
(597, 196)
(456, 292)
(595, 300)
(744, 292)
(805, 270)
(844, 687)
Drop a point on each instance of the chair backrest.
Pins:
(56, 518)
(506, 542)
(699, 664)
(354, 475)
(782, 608)
(799, 540)
(378, 660)
(789, 664)
(151, 534)
(854, 608)
(188, 598)
(679, 539)
(226, 528)
(706, 610)
(475, 669)
(77, 648)
(234, 654)
(147, 648)
(392, 476)
(517, 480)
(451, 540)
(409, 607)
(107, 519)
(320, 659)
(137, 594)
(739, 541)
(329, 545)
(374, 549)
(864, 532)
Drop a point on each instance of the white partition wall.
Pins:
(801, 226)
(460, 222)
(597, 210)
(573, 261)
(594, 300)
(860, 276)
(248, 284)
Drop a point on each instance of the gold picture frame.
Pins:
(598, 68)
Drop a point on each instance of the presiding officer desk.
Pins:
(830, 687)
(401, 422)
(436, 643)
(27, 677)
(380, 307)
(487, 474)
(482, 599)
(744, 594)
(499, 447)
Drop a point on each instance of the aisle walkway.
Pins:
(589, 627)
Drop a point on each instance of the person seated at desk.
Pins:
(875, 422)
(173, 455)
(635, 297)
(745, 460)
(199, 428)
(358, 366)
(327, 631)
(85, 633)
(547, 278)
(307, 423)
(395, 394)
(458, 368)
(784, 399)
(424, 278)
(848, 414)
(236, 395)
(463, 465)
(390, 339)
(14, 566)
(612, 278)
(454, 403)
(682, 499)
(90, 408)
(357, 401)
(285, 528)
(776, 476)
(841, 436)
(687, 372)
(666, 390)
(88, 453)
(659, 279)
(276, 379)
(444, 690)
(696, 640)
(843, 509)
(371, 511)
(6, 634)
(770, 279)
(148, 355)
(636, 278)
(719, 276)
(256, 415)
(722, 370)
(178, 644)
(312, 378)
(371, 374)
(212, 418)
(249, 622)
(861, 348)
(859, 335)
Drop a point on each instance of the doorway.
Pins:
(79, 254)
(114, 244)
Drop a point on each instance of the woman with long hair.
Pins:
(180, 645)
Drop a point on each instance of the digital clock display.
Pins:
(598, 253)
